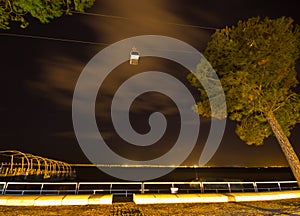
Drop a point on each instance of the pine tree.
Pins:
(255, 62)
(43, 10)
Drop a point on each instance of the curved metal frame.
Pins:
(25, 164)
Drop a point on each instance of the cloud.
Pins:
(60, 72)
(57, 80)
(151, 17)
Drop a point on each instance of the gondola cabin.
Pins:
(134, 57)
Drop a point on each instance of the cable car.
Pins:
(134, 57)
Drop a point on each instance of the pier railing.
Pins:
(128, 188)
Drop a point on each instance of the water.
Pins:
(203, 174)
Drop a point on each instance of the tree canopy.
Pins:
(43, 10)
(255, 62)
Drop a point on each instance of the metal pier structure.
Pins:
(25, 166)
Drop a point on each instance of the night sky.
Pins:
(38, 77)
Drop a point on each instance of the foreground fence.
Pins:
(128, 188)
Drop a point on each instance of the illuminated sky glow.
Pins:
(39, 76)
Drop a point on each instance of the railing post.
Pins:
(201, 187)
(279, 187)
(5, 187)
(42, 186)
(142, 188)
(229, 188)
(77, 188)
(255, 187)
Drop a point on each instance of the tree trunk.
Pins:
(286, 146)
